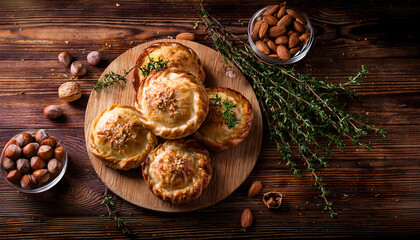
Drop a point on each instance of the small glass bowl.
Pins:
(45, 187)
(297, 57)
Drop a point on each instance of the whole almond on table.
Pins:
(276, 31)
(186, 36)
(262, 46)
(285, 21)
(255, 188)
(293, 40)
(283, 52)
(270, 20)
(247, 219)
(271, 10)
(282, 40)
(263, 30)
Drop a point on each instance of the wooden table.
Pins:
(377, 193)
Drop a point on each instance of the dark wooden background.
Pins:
(377, 193)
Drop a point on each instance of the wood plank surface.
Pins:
(376, 193)
(230, 167)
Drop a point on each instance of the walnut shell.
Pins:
(69, 91)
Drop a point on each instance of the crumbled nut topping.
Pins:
(161, 97)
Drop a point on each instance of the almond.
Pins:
(247, 218)
(186, 36)
(293, 51)
(281, 12)
(256, 30)
(273, 55)
(271, 10)
(263, 30)
(272, 46)
(283, 52)
(255, 188)
(276, 31)
(270, 20)
(285, 21)
(296, 15)
(266, 40)
(298, 27)
(262, 46)
(304, 37)
(282, 40)
(293, 40)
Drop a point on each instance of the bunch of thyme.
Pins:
(226, 106)
(153, 66)
(302, 111)
(112, 214)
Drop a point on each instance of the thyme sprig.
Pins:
(153, 66)
(111, 78)
(113, 214)
(226, 106)
(303, 112)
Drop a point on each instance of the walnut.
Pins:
(69, 91)
(272, 199)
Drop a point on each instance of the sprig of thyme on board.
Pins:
(112, 77)
(303, 112)
(113, 214)
(226, 106)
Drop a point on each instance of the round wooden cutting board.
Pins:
(231, 166)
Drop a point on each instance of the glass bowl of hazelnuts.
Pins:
(33, 161)
(280, 35)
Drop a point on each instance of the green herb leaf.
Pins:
(153, 66)
(226, 106)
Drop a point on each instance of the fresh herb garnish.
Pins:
(226, 106)
(302, 111)
(153, 66)
(111, 78)
(112, 214)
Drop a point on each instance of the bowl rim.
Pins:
(46, 186)
(297, 57)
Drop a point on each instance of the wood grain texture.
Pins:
(377, 193)
(230, 167)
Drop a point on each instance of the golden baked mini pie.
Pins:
(118, 138)
(177, 55)
(218, 134)
(178, 170)
(172, 103)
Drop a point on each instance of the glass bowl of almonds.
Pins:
(280, 35)
(33, 161)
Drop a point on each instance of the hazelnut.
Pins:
(30, 150)
(77, 69)
(54, 167)
(28, 182)
(37, 163)
(14, 176)
(45, 152)
(52, 111)
(23, 166)
(64, 58)
(69, 91)
(13, 141)
(13, 152)
(41, 176)
(24, 139)
(94, 57)
(59, 153)
(8, 164)
(41, 135)
(51, 141)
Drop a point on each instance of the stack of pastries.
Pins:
(174, 105)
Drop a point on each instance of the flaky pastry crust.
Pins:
(172, 103)
(178, 170)
(214, 133)
(177, 55)
(118, 138)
